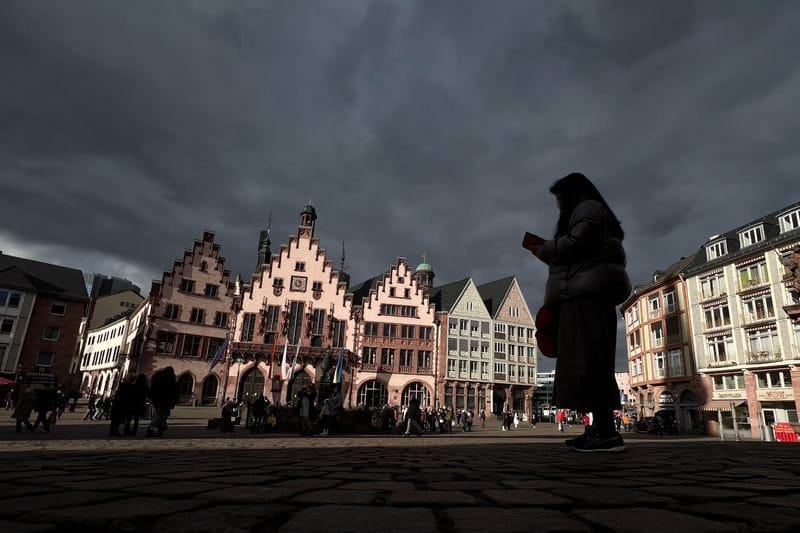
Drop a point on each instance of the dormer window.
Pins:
(751, 236)
(715, 250)
(790, 220)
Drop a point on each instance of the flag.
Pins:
(337, 375)
(220, 353)
(272, 358)
(283, 362)
(294, 361)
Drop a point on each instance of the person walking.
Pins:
(586, 281)
(164, 395)
(122, 405)
(141, 392)
(45, 402)
(412, 418)
(483, 418)
(24, 408)
(259, 410)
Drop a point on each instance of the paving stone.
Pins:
(249, 494)
(77, 498)
(611, 496)
(524, 497)
(307, 483)
(542, 484)
(108, 483)
(117, 512)
(336, 496)
(191, 474)
(791, 500)
(481, 519)
(760, 519)
(227, 518)
(430, 497)
(638, 519)
(704, 493)
(378, 485)
(360, 519)
(178, 488)
(356, 475)
(244, 479)
(19, 527)
(463, 485)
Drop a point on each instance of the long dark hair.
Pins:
(571, 190)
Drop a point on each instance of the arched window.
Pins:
(185, 386)
(251, 386)
(373, 394)
(418, 391)
(210, 386)
(518, 397)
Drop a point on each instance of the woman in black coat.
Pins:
(586, 280)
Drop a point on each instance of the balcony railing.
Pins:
(655, 313)
(369, 367)
(714, 363)
(658, 342)
(754, 282)
(660, 372)
(713, 295)
(406, 369)
(764, 357)
(751, 318)
(670, 308)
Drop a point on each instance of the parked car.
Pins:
(664, 419)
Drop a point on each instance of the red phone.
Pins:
(531, 241)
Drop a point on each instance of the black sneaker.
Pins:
(614, 444)
(588, 433)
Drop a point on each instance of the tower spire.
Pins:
(341, 268)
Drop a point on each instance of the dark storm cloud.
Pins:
(126, 128)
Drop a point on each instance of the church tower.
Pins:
(308, 220)
(424, 274)
(264, 252)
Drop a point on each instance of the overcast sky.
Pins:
(127, 128)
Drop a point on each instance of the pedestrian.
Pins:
(561, 419)
(338, 412)
(139, 407)
(516, 420)
(306, 411)
(412, 418)
(122, 405)
(259, 410)
(164, 395)
(483, 418)
(586, 280)
(24, 408)
(45, 403)
(229, 411)
(91, 407)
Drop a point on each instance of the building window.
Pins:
(213, 346)
(278, 283)
(500, 347)
(717, 316)
(3, 298)
(186, 285)
(172, 312)
(203, 266)
(197, 316)
(406, 357)
(271, 320)
(368, 355)
(657, 334)
(14, 299)
(6, 326)
(221, 319)
(387, 356)
(778, 379)
(753, 275)
(211, 290)
(751, 236)
(655, 306)
(499, 328)
(635, 340)
(660, 364)
(500, 368)
(316, 286)
(673, 330)
(371, 329)
(338, 333)
(729, 382)
(474, 327)
(790, 221)
(165, 342)
(633, 315)
(299, 266)
(389, 330)
(423, 359)
(712, 286)
(758, 308)
(391, 292)
(715, 250)
(191, 345)
(763, 343)
(318, 322)
(248, 327)
(720, 348)
(58, 308)
(670, 305)
(406, 293)
(44, 359)
(296, 311)
(51, 333)
(425, 333)
(406, 332)
(452, 325)
(398, 310)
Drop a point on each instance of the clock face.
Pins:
(298, 283)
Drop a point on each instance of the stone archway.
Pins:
(185, 388)
(299, 380)
(209, 391)
(251, 385)
(373, 394)
(418, 390)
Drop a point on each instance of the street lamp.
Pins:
(238, 359)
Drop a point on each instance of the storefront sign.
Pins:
(775, 394)
(729, 395)
(666, 399)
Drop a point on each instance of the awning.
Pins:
(4, 381)
(722, 405)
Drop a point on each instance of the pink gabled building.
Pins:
(396, 338)
(295, 301)
(189, 319)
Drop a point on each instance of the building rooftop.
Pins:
(42, 278)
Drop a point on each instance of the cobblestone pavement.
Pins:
(526, 480)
